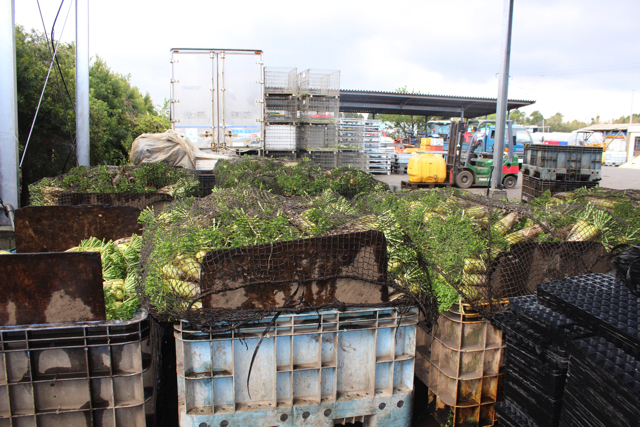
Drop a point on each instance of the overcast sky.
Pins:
(577, 57)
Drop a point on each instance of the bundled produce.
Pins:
(298, 178)
(146, 178)
(120, 261)
(447, 243)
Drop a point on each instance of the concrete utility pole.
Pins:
(503, 89)
(82, 82)
(9, 174)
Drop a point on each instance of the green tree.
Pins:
(118, 111)
(406, 123)
(535, 118)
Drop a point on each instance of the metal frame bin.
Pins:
(281, 80)
(326, 159)
(280, 109)
(314, 369)
(319, 82)
(356, 159)
(318, 137)
(464, 366)
(79, 373)
(280, 138)
(319, 109)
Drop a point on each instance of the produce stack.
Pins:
(573, 355)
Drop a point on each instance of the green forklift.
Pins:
(472, 163)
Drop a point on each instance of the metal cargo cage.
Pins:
(356, 159)
(281, 108)
(319, 109)
(318, 137)
(280, 138)
(319, 82)
(217, 97)
(314, 369)
(281, 80)
(79, 373)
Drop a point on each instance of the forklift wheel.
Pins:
(464, 179)
(509, 181)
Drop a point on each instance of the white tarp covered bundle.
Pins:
(168, 147)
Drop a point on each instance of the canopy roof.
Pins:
(417, 104)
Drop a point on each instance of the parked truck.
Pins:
(217, 98)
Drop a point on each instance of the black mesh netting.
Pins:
(136, 186)
(241, 254)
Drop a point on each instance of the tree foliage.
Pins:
(405, 124)
(118, 111)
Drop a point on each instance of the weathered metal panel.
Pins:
(58, 228)
(346, 268)
(51, 288)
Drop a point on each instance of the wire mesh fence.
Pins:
(440, 247)
(280, 80)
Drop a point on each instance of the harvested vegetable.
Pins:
(146, 178)
(120, 261)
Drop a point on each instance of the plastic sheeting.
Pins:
(168, 147)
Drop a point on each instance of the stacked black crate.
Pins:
(559, 168)
(536, 363)
(573, 355)
(603, 384)
(281, 112)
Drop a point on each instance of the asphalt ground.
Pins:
(612, 177)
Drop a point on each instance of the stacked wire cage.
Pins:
(281, 112)
(314, 137)
(319, 82)
(318, 109)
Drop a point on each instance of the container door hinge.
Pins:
(175, 81)
(175, 101)
(174, 61)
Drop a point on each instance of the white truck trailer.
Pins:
(217, 98)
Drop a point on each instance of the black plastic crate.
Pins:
(533, 187)
(207, 182)
(562, 162)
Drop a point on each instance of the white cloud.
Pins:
(451, 48)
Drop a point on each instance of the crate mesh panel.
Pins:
(280, 80)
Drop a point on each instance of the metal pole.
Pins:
(82, 82)
(9, 174)
(631, 115)
(498, 145)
